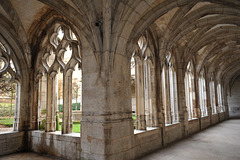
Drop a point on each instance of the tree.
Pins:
(75, 92)
(8, 89)
(60, 91)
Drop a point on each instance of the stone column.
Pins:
(168, 102)
(17, 119)
(147, 91)
(51, 103)
(225, 94)
(216, 100)
(107, 124)
(35, 111)
(209, 107)
(67, 102)
(183, 113)
(197, 107)
(140, 96)
(153, 109)
(40, 92)
(176, 98)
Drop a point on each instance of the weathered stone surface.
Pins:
(179, 47)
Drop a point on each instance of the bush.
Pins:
(74, 106)
(44, 111)
(57, 122)
(5, 109)
(60, 107)
(42, 124)
(60, 115)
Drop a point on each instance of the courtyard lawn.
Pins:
(76, 127)
(6, 121)
(134, 119)
(5, 109)
(134, 116)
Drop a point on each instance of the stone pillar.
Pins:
(140, 96)
(51, 103)
(17, 120)
(209, 107)
(197, 107)
(225, 94)
(176, 98)
(216, 100)
(153, 109)
(107, 130)
(35, 111)
(183, 113)
(67, 102)
(168, 102)
(147, 91)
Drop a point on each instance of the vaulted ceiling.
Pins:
(206, 31)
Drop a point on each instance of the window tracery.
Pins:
(143, 74)
(212, 95)
(202, 94)
(58, 76)
(9, 83)
(169, 83)
(190, 92)
(220, 98)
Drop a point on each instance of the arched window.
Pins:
(220, 98)
(143, 91)
(9, 90)
(202, 94)
(213, 96)
(60, 81)
(169, 83)
(190, 92)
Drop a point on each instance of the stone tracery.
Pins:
(174, 96)
(60, 55)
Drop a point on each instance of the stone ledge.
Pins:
(143, 131)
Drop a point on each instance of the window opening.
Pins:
(60, 87)
(169, 83)
(202, 95)
(190, 92)
(8, 92)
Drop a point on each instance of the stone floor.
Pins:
(221, 142)
(27, 156)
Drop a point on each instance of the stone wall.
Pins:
(11, 142)
(68, 146)
(55, 144)
(147, 141)
(173, 133)
(193, 126)
(222, 116)
(215, 119)
(205, 122)
(234, 100)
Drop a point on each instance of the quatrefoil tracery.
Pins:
(61, 51)
(8, 72)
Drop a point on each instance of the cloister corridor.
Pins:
(221, 142)
(120, 79)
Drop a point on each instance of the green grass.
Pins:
(134, 119)
(6, 121)
(76, 126)
(134, 116)
(5, 109)
(60, 115)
